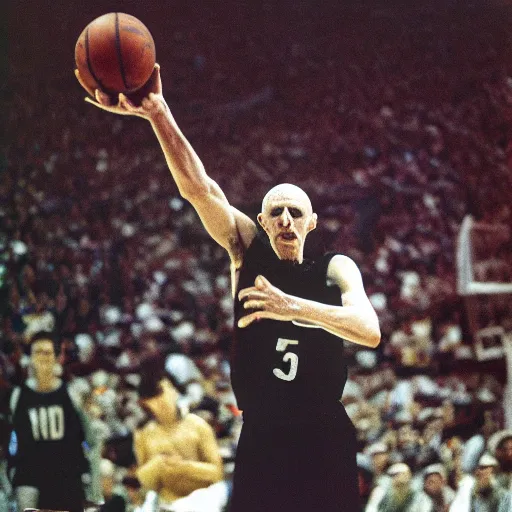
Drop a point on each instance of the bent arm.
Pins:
(185, 476)
(150, 475)
(356, 320)
(208, 469)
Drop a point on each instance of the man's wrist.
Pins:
(160, 112)
(301, 311)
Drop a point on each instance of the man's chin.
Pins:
(289, 253)
(287, 250)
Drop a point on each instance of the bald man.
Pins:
(297, 450)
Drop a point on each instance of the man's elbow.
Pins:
(219, 475)
(194, 192)
(197, 190)
(374, 338)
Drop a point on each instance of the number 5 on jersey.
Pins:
(282, 343)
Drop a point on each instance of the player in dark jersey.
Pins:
(297, 450)
(49, 431)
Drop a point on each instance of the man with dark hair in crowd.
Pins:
(436, 488)
(50, 430)
(297, 449)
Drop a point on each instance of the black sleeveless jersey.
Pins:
(49, 434)
(280, 370)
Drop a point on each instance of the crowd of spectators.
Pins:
(394, 120)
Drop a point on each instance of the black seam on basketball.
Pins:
(119, 54)
(89, 65)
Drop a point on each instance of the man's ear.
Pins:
(261, 221)
(312, 223)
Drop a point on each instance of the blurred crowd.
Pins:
(395, 121)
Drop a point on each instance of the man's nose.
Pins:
(286, 218)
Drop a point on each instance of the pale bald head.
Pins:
(286, 191)
(287, 217)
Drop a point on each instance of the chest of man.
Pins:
(181, 440)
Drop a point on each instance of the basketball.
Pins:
(115, 53)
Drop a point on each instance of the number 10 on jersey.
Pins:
(282, 343)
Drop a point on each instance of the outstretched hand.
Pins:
(145, 102)
(268, 302)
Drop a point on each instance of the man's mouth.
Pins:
(289, 235)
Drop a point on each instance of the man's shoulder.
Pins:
(339, 266)
(336, 258)
(191, 419)
(146, 430)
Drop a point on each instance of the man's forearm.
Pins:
(348, 322)
(149, 475)
(191, 475)
(183, 162)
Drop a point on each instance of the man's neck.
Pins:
(168, 424)
(46, 382)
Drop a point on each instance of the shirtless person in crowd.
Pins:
(176, 451)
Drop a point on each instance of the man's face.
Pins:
(401, 479)
(433, 484)
(380, 461)
(504, 454)
(483, 475)
(163, 406)
(43, 355)
(287, 218)
(407, 436)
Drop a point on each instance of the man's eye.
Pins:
(276, 212)
(295, 213)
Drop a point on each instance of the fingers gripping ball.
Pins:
(115, 53)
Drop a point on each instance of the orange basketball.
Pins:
(115, 53)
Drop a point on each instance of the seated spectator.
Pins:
(436, 488)
(400, 496)
(500, 445)
(480, 491)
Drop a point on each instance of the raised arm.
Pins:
(229, 227)
(355, 321)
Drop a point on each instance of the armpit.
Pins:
(236, 251)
